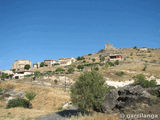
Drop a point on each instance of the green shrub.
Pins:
(80, 67)
(110, 64)
(1, 97)
(88, 91)
(30, 95)
(134, 47)
(48, 73)
(1, 89)
(102, 58)
(80, 58)
(120, 73)
(152, 83)
(96, 68)
(141, 80)
(56, 64)
(60, 108)
(131, 54)
(37, 74)
(84, 61)
(116, 62)
(19, 102)
(70, 70)
(7, 95)
(60, 70)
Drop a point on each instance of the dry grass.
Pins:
(98, 116)
(47, 100)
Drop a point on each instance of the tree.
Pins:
(135, 47)
(80, 67)
(27, 67)
(88, 91)
(42, 64)
(80, 58)
(4, 76)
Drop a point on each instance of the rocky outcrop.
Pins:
(127, 96)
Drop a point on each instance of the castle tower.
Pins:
(106, 46)
(109, 46)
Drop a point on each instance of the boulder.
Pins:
(110, 100)
(126, 96)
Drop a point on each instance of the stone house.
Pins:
(21, 74)
(115, 57)
(49, 63)
(36, 65)
(20, 64)
(66, 61)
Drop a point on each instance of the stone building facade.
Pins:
(49, 63)
(20, 64)
(66, 61)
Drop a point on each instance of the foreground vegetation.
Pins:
(88, 91)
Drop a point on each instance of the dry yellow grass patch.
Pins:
(99, 116)
(47, 100)
(20, 114)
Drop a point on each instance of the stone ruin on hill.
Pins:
(109, 46)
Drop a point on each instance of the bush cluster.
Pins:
(59, 70)
(80, 58)
(120, 73)
(141, 80)
(19, 102)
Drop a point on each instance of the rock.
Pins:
(14, 94)
(110, 100)
(47, 84)
(67, 105)
(8, 99)
(20, 94)
(127, 96)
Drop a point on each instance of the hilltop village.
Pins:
(127, 56)
(22, 67)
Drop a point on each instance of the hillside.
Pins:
(51, 84)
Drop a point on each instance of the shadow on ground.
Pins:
(62, 115)
(69, 113)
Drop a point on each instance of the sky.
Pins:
(52, 29)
